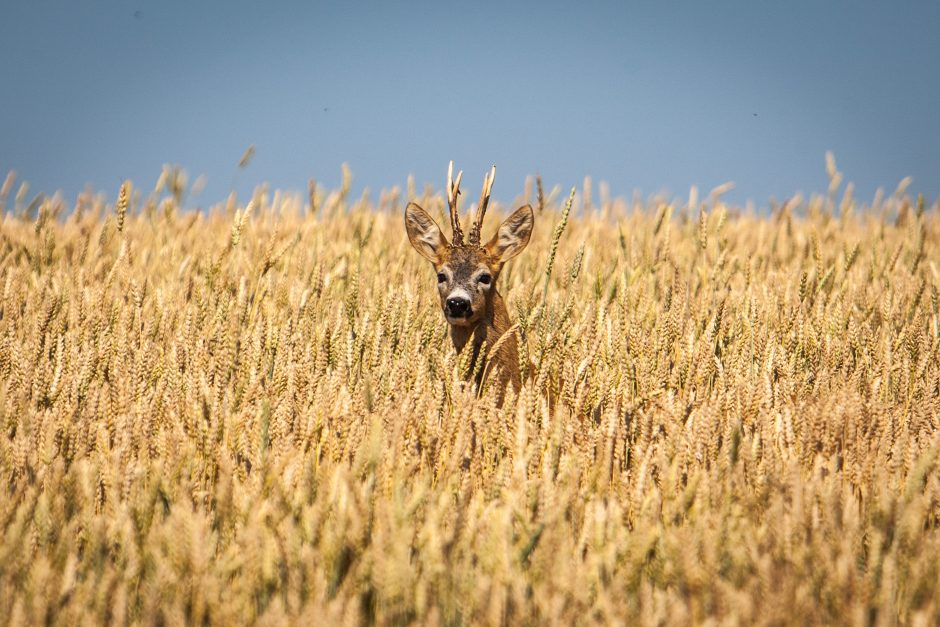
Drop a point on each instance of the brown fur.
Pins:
(462, 267)
(490, 328)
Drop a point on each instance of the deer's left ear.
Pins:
(513, 235)
(424, 233)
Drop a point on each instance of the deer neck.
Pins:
(491, 326)
(490, 329)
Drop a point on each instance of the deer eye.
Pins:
(485, 279)
(441, 277)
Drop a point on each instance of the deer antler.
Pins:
(481, 208)
(453, 190)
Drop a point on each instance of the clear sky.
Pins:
(648, 96)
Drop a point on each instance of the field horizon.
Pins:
(253, 414)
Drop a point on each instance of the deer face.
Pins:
(464, 280)
(467, 273)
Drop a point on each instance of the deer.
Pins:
(467, 274)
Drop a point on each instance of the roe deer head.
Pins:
(467, 274)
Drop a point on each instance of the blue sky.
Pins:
(648, 96)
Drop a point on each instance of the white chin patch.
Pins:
(457, 322)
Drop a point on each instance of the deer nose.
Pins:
(458, 307)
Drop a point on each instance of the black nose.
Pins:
(458, 307)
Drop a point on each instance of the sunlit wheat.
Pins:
(255, 413)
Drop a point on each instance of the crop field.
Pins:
(254, 414)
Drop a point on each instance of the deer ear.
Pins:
(424, 233)
(513, 235)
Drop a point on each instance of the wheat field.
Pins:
(253, 414)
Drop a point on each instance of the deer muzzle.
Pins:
(457, 307)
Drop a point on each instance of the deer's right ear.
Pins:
(424, 233)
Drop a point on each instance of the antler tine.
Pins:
(481, 207)
(453, 191)
(450, 183)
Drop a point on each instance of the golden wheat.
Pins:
(253, 414)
